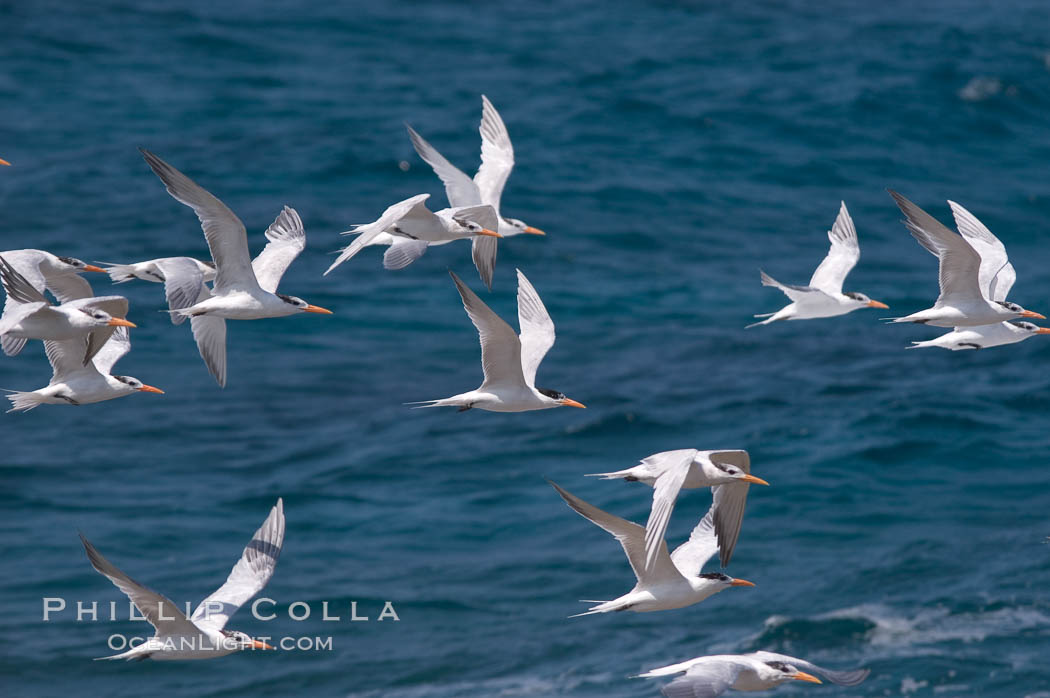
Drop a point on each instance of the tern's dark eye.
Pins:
(552, 394)
(71, 261)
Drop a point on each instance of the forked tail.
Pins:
(23, 402)
(119, 273)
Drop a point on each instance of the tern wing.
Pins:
(183, 280)
(483, 252)
(959, 262)
(795, 293)
(67, 358)
(675, 466)
(729, 502)
(842, 257)
(707, 679)
(497, 155)
(414, 207)
(537, 329)
(459, 188)
(18, 287)
(248, 576)
(287, 238)
(691, 556)
(500, 347)
(209, 331)
(224, 231)
(630, 535)
(161, 612)
(842, 678)
(117, 346)
(997, 275)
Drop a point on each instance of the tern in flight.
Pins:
(996, 277)
(45, 271)
(203, 634)
(497, 161)
(675, 581)
(76, 383)
(243, 289)
(823, 297)
(669, 472)
(711, 676)
(28, 314)
(509, 361)
(182, 277)
(966, 274)
(409, 227)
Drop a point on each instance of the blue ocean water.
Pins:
(670, 150)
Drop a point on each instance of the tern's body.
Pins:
(672, 581)
(983, 337)
(77, 383)
(823, 297)
(486, 188)
(669, 472)
(244, 289)
(510, 362)
(973, 271)
(202, 635)
(711, 676)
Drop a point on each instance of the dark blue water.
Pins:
(669, 151)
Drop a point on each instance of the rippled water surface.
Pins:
(669, 150)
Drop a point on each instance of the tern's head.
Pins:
(132, 385)
(557, 399)
(1030, 327)
(783, 671)
(296, 304)
(718, 581)
(470, 228)
(517, 227)
(1019, 311)
(236, 640)
(863, 301)
(100, 318)
(724, 473)
(72, 264)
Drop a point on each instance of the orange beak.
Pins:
(260, 645)
(876, 304)
(317, 309)
(741, 583)
(803, 676)
(120, 322)
(533, 231)
(1043, 330)
(572, 403)
(151, 389)
(490, 233)
(754, 480)
(92, 267)
(1033, 314)
(4, 162)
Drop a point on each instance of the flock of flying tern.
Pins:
(85, 335)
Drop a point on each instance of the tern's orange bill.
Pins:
(120, 322)
(1043, 330)
(151, 389)
(92, 267)
(572, 403)
(490, 233)
(741, 583)
(876, 304)
(533, 231)
(260, 645)
(317, 309)
(754, 480)
(1033, 314)
(4, 162)
(803, 676)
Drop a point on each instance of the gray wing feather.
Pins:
(403, 252)
(691, 556)
(459, 188)
(500, 346)
(841, 258)
(183, 280)
(483, 251)
(665, 494)
(997, 275)
(287, 238)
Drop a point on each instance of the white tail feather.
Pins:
(23, 402)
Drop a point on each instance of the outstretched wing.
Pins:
(413, 206)
(500, 347)
(959, 262)
(691, 556)
(459, 188)
(629, 534)
(497, 155)
(842, 257)
(997, 275)
(537, 329)
(183, 280)
(161, 612)
(842, 678)
(287, 239)
(483, 252)
(675, 467)
(209, 331)
(795, 293)
(249, 575)
(224, 231)
(118, 345)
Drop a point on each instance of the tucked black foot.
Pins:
(465, 408)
